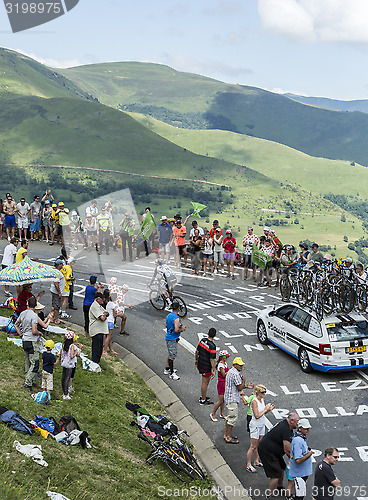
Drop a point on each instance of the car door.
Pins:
(279, 324)
(298, 330)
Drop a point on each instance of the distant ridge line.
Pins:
(119, 172)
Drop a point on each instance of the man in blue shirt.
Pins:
(301, 458)
(164, 238)
(173, 331)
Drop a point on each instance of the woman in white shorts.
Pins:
(257, 426)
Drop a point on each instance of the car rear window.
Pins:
(348, 331)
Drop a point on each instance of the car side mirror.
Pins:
(272, 313)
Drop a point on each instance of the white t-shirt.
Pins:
(201, 231)
(23, 209)
(258, 422)
(110, 309)
(61, 280)
(9, 255)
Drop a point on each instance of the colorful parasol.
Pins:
(27, 271)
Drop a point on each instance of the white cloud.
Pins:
(316, 20)
(53, 63)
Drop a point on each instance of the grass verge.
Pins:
(114, 468)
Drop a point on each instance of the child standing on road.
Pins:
(222, 370)
(49, 360)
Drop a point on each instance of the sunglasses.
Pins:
(263, 392)
(335, 456)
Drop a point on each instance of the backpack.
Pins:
(42, 397)
(68, 424)
(17, 422)
(45, 423)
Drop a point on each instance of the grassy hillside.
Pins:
(21, 75)
(192, 101)
(108, 148)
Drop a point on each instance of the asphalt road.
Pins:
(336, 404)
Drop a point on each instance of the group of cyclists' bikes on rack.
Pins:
(325, 287)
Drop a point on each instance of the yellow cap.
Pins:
(238, 361)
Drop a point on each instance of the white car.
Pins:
(338, 342)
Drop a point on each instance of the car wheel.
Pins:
(262, 333)
(304, 361)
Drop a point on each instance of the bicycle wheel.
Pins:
(178, 469)
(301, 293)
(361, 298)
(157, 300)
(318, 306)
(182, 306)
(346, 298)
(285, 288)
(328, 300)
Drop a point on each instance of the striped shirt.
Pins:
(233, 378)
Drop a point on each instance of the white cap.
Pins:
(304, 422)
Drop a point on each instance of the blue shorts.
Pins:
(35, 225)
(10, 221)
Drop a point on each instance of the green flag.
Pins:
(197, 208)
(147, 227)
(259, 258)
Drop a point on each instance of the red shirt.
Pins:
(23, 296)
(229, 245)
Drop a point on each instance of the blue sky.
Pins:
(310, 47)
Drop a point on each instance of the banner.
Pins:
(147, 227)
(259, 258)
(197, 208)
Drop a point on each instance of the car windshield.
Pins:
(348, 331)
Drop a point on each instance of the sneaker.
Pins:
(233, 277)
(228, 275)
(174, 376)
(66, 396)
(205, 402)
(64, 315)
(245, 278)
(166, 372)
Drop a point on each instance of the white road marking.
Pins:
(187, 345)
(238, 302)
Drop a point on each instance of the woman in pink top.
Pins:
(229, 245)
(222, 370)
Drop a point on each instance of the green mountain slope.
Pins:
(192, 101)
(21, 75)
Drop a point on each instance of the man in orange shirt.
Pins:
(179, 232)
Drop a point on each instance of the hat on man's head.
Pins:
(39, 306)
(224, 352)
(266, 228)
(61, 203)
(314, 245)
(58, 262)
(54, 205)
(163, 217)
(304, 422)
(194, 223)
(215, 221)
(228, 231)
(238, 361)
(218, 229)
